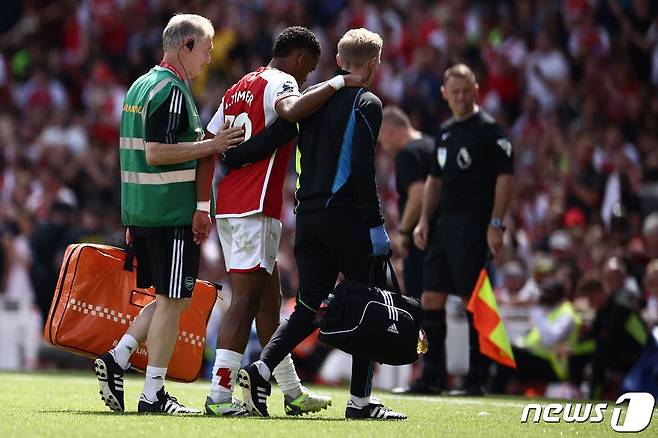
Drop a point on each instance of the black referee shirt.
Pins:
(469, 155)
(412, 164)
(337, 162)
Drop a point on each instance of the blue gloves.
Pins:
(381, 244)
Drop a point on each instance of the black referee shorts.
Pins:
(456, 253)
(167, 258)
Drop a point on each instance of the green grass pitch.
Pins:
(67, 405)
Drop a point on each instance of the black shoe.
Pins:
(255, 390)
(374, 411)
(419, 387)
(166, 404)
(468, 391)
(110, 381)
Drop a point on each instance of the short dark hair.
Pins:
(295, 37)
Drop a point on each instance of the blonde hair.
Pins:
(358, 46)
(182, 26)
(461, 71)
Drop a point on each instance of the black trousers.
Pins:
(327, 243)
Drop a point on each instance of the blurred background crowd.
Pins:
(574, 83)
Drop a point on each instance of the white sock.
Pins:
(154, 382)
(263, 370)
(286, 376)
(224, 375)
(124, 349)
(360, 401)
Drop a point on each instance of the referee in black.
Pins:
(413, 153)
(339, 226)
(470, 183)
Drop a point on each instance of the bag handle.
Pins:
(377, 262)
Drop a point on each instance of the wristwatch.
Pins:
(496, 223)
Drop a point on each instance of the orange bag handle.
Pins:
(140, 299)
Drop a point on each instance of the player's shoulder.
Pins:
(489, 125)
(275, 76)
(367, 97)
(485, 118)
(425, 144)
(447, 124)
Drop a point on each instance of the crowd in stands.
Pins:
(574, 83)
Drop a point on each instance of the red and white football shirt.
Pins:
(257, 187)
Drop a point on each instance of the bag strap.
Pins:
(385, 262)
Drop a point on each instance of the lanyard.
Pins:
(167, 65)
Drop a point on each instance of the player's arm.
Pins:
(295, 107)
(165, 122)
(412, 176)
(368, 120)
(504, 184)
(410, 217)
(205, 170)
(502, 159)
(201, 221)
(431, 196)
(261, 146)
(413, 208)
(255, 148)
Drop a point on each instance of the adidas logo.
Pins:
(393, 329)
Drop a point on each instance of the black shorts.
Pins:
(327, 243)
(456, 253)
(167, 258)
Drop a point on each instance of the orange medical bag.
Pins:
(96, 299)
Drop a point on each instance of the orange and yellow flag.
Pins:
(494, 342)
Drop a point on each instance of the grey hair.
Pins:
(182, 26)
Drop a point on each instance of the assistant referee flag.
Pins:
(494, 342)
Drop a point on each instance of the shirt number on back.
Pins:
(241, 119)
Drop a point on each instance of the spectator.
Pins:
(539, 355)
(650, 312)
(20, 320)
(617, 335)
(517, 288)
(547, 72)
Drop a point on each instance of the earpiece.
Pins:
(190, 44)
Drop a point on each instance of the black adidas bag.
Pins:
(370, 322)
